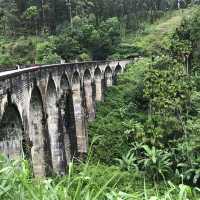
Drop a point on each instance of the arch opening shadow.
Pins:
(70, 139)
(12, 139)
(76, 80)
(64, 83)
(40, 151)
(108, 79)
(118, 70)
(56, 140)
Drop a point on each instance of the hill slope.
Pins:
(129, 160)
(155, 37)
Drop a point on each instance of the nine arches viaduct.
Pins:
(44, 111)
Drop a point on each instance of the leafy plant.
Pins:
(156, 163)
(128, 162)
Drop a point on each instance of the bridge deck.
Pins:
(22, 69)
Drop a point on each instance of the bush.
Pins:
(84, 57)
(67, 47)
(45, 53)
(156, 163)
(5, 59)
(23, 51)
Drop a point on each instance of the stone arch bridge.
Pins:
(44, 111)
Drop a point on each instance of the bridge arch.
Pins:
(108, 78)
(79, 114)
(118, 70)
(87, 75)
(56, 143)
(76, 79)
(41, 155)
(68, 118)
(97, 72)
(11, 131)
(64, 83)
(88, 95)
(98, 93)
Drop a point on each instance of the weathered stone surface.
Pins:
(108, 77)
(44, 111)
(88, 96)
(98, 84)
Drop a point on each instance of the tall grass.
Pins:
(84, 182)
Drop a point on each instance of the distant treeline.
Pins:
(46, 31)
(20, 17)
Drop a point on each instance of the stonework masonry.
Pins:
(44, 111)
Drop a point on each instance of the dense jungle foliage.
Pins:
(145, 142)
(46, 31)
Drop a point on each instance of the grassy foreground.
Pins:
(86, 182)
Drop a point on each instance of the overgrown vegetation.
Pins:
(151, 119)
(86, 181)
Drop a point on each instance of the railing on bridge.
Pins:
(4, 68)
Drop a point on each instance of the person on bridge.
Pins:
(18, 67)
(62, 61)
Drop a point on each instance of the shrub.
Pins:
(156, 163)
(23, 51)
(45, 53)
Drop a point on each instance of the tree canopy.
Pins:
(72, 29)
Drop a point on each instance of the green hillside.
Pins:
(144, 143)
